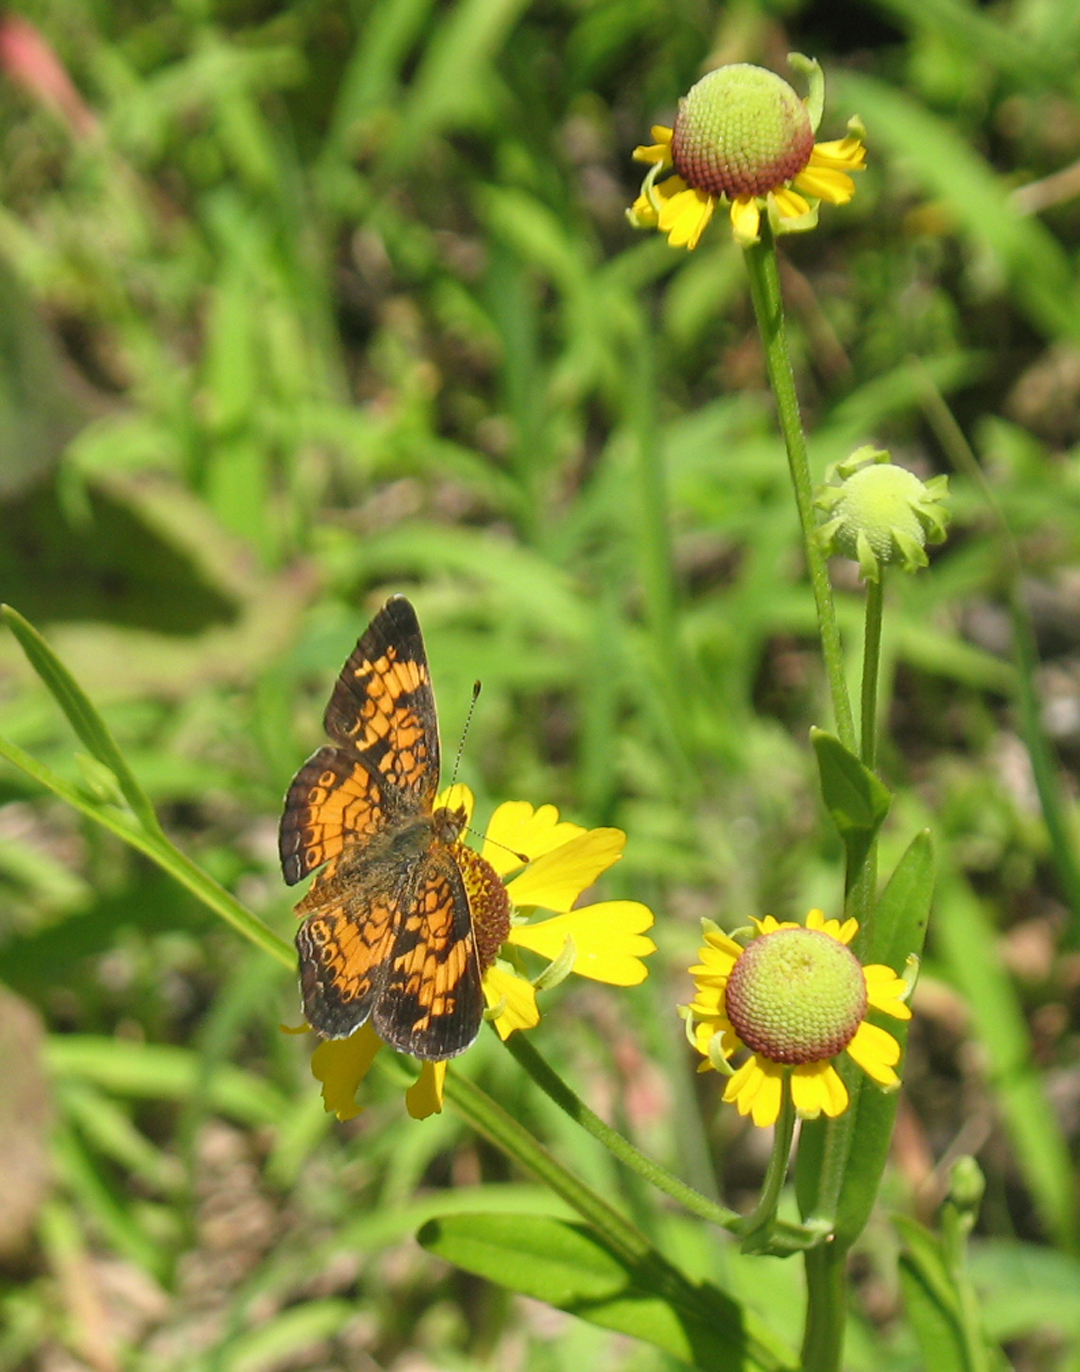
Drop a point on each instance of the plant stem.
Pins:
(875, 597)
(863, 883)
(752, 1344)
(553, 1086)
(826, 1307)
(768, 307)
(765, 1210)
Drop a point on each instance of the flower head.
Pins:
(605, 941)
(796, 996)
(743, 138)
(881, 514)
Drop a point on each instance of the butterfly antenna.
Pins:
(521, 857)
(465, 731)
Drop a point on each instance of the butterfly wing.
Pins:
(344, 950)
(384, 768)
(431, 1003)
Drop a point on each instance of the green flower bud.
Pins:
(881, 514)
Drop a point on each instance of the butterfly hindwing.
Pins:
(344, 959)
(431, 1004)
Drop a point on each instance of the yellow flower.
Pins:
(743, 138)
(796, 996)
(604, 942)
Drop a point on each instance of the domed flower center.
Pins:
(796, 996)
(741, 130)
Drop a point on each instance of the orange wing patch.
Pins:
(333, 801)
(344, 953)
(391, 729)
(432, 1003)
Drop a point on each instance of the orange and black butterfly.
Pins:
(390, 931)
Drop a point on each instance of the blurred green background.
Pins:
(304, 304)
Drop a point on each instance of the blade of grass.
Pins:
(159, 850)
(82, 716)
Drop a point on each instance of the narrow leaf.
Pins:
(933, 1304)
(84, 719)
(567, 1266)
(160, 850)
(853, 795)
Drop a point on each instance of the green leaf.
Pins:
(567, 1266)
(856, 799)
(157, 847)
(82, 716)
(898, 932)
(942, 1306)
(932, 1300)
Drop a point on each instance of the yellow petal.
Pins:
(790, 205)
(661, 133)
(341, 1065)
(769, 924)
(425, 1096)
(885, 991)
(458, 796)
(514, 1000)
(876, 1052)
(745, 220)
(719, 946)
(843, 933)
(816, 1089)
(844, 154)
(516, 827)
(706, 1031)
(642, 215)
(608, 940)
(707, 1004)
(556, 879)
(826, 184)
(657, 152)
(685, 215)
(757, 1090)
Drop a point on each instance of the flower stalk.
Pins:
(764, 275)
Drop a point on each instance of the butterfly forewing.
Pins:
(384, 708)
(333, 801)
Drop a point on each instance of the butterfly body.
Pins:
(388, 932)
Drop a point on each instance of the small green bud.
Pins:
(881, 514)
(966, 1185)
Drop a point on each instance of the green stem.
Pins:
(491, 1120)
(826, 1307)
(698, 1303)
(553, 1086)
(765, 1210)
(768, 307)
(875, 597)
(863, 883)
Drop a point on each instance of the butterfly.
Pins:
(389, 931)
